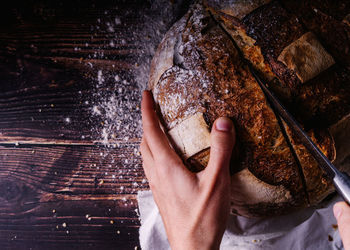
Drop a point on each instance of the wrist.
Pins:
(190, 246)
(195, 243)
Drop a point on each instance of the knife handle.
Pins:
(341, 182)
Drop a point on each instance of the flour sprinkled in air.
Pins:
(118, 69)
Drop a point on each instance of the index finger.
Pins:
(156, 138)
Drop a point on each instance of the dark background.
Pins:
(61, 187)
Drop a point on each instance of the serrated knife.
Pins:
(340, 180)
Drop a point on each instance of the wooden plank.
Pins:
(75, 169)
(41, 188)
(57, 105)
(48, 76)
(55, 113)
(50, 57)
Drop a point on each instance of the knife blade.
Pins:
(340, 180)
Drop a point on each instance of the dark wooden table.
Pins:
(71, 74)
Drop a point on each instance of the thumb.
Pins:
(222, 141)
(341, 212)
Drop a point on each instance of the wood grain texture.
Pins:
(87, 188)
(60, 187)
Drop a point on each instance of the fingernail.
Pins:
(337, 210)
(223, 124)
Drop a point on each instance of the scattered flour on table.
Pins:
(117, 94)
(119, 69)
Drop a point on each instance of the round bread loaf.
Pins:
(197, 75)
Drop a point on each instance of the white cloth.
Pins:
(311, 228)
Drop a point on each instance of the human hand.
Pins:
(194, 206)
(341, 212)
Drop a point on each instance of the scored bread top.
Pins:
(207, 76)
(197, 75)
(300, 70)
(301, 51)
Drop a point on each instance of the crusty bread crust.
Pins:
(318, 95)
(275, 41)
(328, 20)
(208, 77)
(197, 75)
